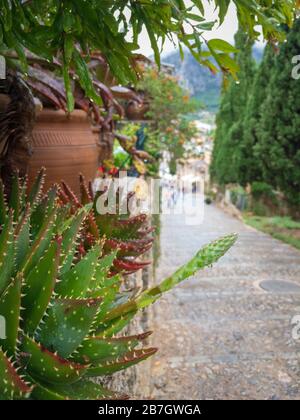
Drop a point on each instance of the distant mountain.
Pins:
(202, 84)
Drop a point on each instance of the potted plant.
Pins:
(64, 143)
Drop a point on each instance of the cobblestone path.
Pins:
(220, 335)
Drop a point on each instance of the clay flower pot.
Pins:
(65, 146)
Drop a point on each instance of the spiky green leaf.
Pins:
(75, 283)
(39, 287)
(37, 188)
(120, 363)
(22, 239)
(113, 327)
(69, 242)
(95, 349)
(42, 210)
(68, 323)
(81, 390)
(15, 199)
(108, 295)
(101, 273)
(10, 310)
(40, 244)
(47, 366)
(12, 386)
(7, 253)
(208, 255)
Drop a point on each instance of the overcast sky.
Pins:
(225, 31)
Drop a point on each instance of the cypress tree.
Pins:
(224, 118)
(229, 132)
(249, 165)
(278, 146)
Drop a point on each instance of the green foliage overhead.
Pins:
(62, 29)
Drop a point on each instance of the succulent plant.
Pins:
(127, 234)
(64, 309)
(44, 86)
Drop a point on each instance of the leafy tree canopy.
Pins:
(65, 29)
(169, 104)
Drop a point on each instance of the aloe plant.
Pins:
(130, 236)
(63, 308)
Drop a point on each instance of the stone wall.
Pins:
(135, 380)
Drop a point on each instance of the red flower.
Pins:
(113, 171)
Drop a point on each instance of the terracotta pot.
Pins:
(65, 146)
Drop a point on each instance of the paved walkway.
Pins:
(220, 335)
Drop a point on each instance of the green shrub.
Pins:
(262, 189)
(259, 209)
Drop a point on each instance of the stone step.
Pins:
(219, 334)
(265, 379)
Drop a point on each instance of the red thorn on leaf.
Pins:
(59, 240)
(81, 249)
